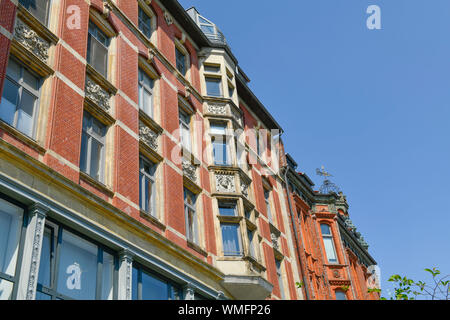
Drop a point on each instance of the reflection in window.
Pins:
(97, 51)
(147, 190)
(231, 239)
(190, 213)
(11, 219)
(180, 61)
(38, 8)
(149, 286)
(328, 243)
(146, 93)
(340, 295)
(145, 23)
(74, 268)
(19, 104)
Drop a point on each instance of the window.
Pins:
(220, 145)
(267, 200)
(146, 93)
(251, 235)
(328, 243)
(20, 100)
(145, 23)
(227, 209)
(231, 239)
(93, 147)
(213, 87)
(230, 91)
(280, 278)
(38, 8)
(147, 190)
(97, 51)
(190, 213)
(206, 26)
(185, 129)
(181, 61)
(340, 295)
(11, 220)
(149, 286)
(72, 267)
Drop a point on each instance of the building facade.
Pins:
(136, 163)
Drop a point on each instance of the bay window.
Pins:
(220, 144)
(231, 236)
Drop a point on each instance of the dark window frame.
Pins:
(55, 260)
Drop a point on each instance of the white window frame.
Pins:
(330, 238)
(142, 88)
(102, 140)
(186, 142)
(191, 235)
(24, 86)
(143, 177)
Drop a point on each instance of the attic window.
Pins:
(206, 26)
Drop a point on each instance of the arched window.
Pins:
(328, 243)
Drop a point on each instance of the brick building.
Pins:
(136, 163)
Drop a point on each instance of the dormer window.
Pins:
(206, 26)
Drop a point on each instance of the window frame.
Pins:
(142, 11)
(178, 53)
(23, 229)
(143, 177)
(46, 23)
(221, 138)
(267, 200)
(102, 140)
(55, 256)
(142, 87)
(182, 116)
(215, 79)
(331, 239)
(344, 295)
(278, 267)
(234, 221)
(24, 86)
(191, 235)
(171, 285)
(93, 31)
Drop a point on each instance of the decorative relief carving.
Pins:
(189, 170)
(336, 274)
(275, 242)
(31, 40)
(97, 94)
(168, 18)
(218, 109)
(244, 188)
(225, 183)
(148, 136)
(237, 117)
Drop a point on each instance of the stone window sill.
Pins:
(96, 184)
(197, 248)
(153, 220)
(22, 137)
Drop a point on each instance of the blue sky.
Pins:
(373, 106)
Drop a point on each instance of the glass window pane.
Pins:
(153, 288)
(325, 229)
(181, 61)
(98, 56)
(30, 79)
(220, 152)
(218, 128)
(6, 289)
(77, 274)
(42, 296)
(13, 69)
(9, 102)
(108, 276)
(230, 238)
(84, 151)
(96, 159)
(213, 87)
(329, 249)
(10, 225)
(38, 8)
(134, 284)
(45, 262)
(147, 102)
(207, 29)
(227, 210)
(25, 113)
(341, 295)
